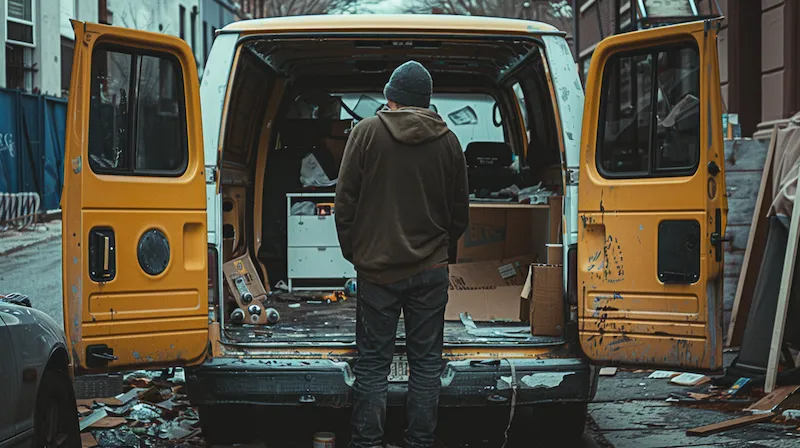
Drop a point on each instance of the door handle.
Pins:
(102, 254)
(716, 236)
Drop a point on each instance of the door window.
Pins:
(137, 115)
(650, 114)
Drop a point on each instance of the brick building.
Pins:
(759, 47)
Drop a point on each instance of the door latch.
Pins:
(99, 355)
(102, 254)
(716, 236)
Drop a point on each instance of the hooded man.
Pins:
(401, 201)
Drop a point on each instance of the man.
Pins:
(401, 200)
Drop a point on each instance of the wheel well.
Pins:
(59, 360)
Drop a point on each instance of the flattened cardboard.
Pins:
(487, 290)
(547, 304)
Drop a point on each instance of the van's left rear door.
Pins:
(135, 279)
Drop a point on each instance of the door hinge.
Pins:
(572, 176)
(211, 174)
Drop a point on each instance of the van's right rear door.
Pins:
(652, 204)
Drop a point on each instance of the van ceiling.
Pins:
(295, 58)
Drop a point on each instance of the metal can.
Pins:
(324, 440)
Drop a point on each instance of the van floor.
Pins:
(336, 323)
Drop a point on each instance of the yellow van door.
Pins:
(135, 279)
(652, 206)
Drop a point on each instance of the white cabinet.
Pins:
(315, 259)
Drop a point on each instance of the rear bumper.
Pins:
(329, 383)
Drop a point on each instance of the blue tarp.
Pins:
(32, 135)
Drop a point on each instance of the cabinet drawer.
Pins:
(319, 262)
(312, 231)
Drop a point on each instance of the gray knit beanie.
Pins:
(410, 85)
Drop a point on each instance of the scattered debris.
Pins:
(791, 414)
(108, 422)
(771, 401)
(93, 418)
(88, 440)
(663, 374)
(742, 384)
(690, 379)
(608, 371)
(729, 424)
(154, 412)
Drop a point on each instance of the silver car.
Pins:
(37, 401)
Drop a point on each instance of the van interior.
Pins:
(291, 106)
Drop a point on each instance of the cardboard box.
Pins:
(547, 303)
(555, 254)
(485, 237)
(487, 290)
(500, 234)
(243, 267)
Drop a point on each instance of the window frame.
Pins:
(31, 23)
(132, 121)
(651, 173)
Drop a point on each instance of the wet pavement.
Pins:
(629, 409)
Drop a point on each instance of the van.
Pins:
(186, 218)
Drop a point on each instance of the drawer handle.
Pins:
(322, 248)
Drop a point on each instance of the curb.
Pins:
(26, 246)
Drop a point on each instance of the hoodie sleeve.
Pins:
(459, 215)
(348, 190)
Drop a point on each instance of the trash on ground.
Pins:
(742, 384)
(771, 401)
(88, 440)
(729, 424)
(690, 379)
(791, 414)
(157, 415)
(608, 371)
(663, 374)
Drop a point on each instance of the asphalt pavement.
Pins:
(629, 410)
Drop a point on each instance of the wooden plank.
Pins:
(783, 300)
(770, 401)
(729, 424)
(88, 440)
(754, 252)
(108, 422)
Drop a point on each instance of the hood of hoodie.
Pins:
(413, 125)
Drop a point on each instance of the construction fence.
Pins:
(32, 135)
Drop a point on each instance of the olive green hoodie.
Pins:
(402, 194)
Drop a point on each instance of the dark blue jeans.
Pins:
(422, 298)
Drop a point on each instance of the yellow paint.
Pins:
(627, 315)
(411, 23)
(147, 320)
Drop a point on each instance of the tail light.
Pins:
(213, 276)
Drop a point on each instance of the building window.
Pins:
(19, 22)
(104, 15)
(650, 114)
(19, 67)
(182, 22)
(67, 53)
(193, 29)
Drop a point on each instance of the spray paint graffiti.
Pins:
(7, 143)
